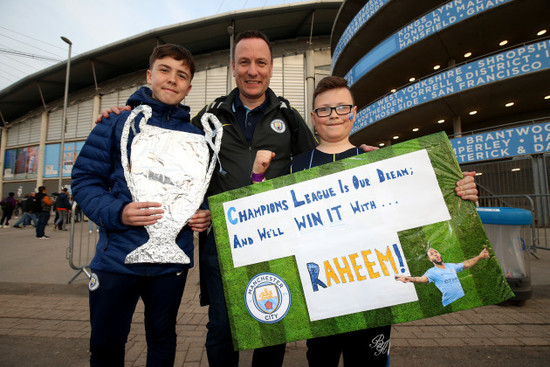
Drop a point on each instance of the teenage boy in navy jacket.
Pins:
(100, 188)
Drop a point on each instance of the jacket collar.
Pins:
(271, 98)
(144, 95)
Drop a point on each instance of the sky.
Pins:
(31, 30)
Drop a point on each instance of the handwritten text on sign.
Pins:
(342, 228)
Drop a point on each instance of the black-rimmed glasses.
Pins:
(327, 111)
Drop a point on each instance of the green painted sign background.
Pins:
(459, 239)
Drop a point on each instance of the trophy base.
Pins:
(157, 254)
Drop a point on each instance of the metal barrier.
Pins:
(82, 243)
(521, 182)
(538, 204)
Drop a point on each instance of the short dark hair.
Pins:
(329, 83)
(11, 194)
(254, 33)
(176, 52)
(41, 188)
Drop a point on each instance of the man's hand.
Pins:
(367, 148)
(403, 278)
(467, 188)
(141, 213)
(262, 161)
(484, 254)
(408, 279)
(200, 221)
(114, 109)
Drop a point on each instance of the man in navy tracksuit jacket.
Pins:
(100, 188)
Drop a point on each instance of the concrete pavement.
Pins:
(44, 321)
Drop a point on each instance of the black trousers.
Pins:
(112, 306)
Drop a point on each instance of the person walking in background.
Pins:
(8, 205)
(78, 217)
(42, 209)
(91, 226)
(63, 206)
(27, 206)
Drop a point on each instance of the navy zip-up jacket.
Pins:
(99, 187)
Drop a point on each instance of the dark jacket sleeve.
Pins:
(95, 175)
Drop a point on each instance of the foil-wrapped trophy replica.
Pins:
(170, 167)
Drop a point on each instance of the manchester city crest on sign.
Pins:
(278, 126)
(267, 298)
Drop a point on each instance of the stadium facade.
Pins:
(477, 69)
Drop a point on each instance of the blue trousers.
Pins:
(26, 219)
(62, 220)
(112, 306)
(43, 218)
(219, 345)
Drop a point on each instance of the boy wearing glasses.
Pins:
(333, 116)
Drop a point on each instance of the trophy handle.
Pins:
(147, 113)
(208, 120)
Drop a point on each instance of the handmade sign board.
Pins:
(317, 252)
